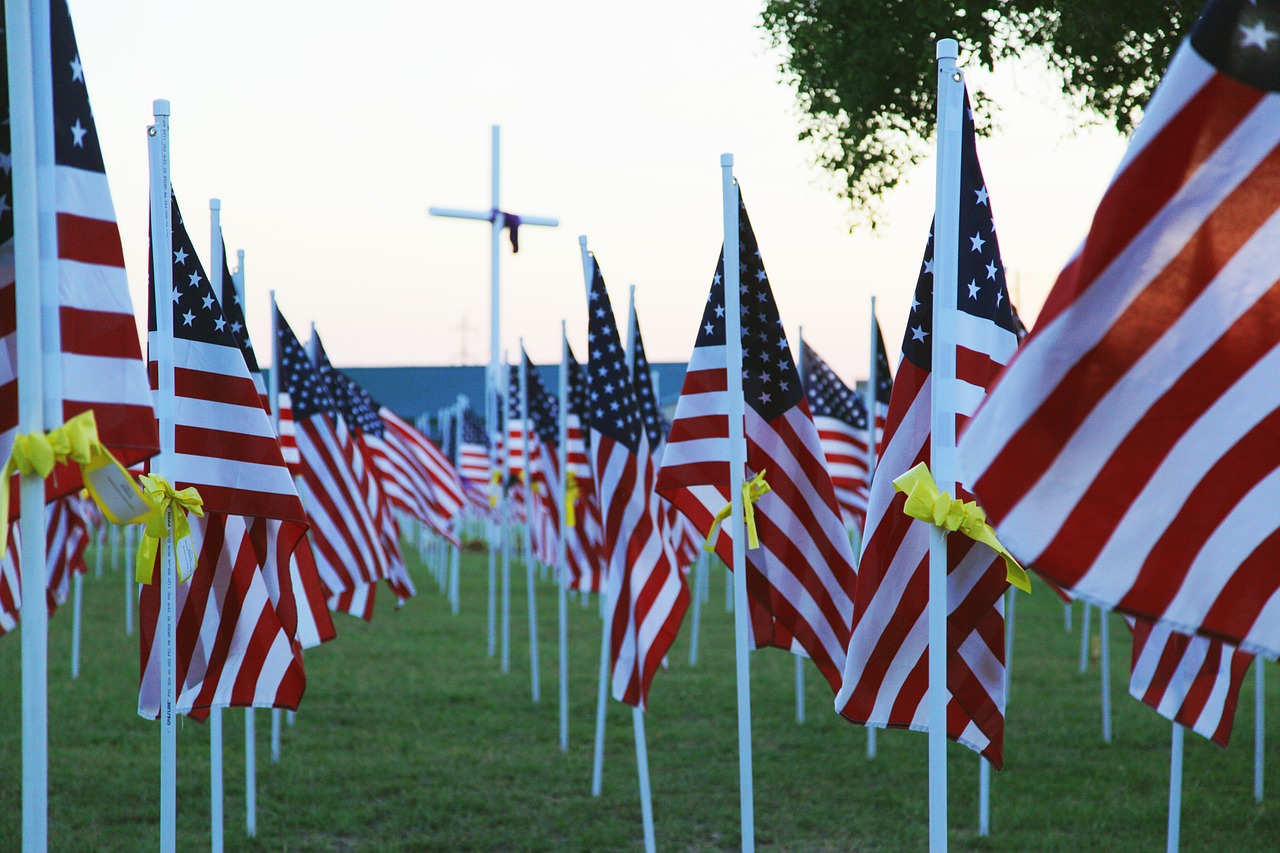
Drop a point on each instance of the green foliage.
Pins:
(865, 76)
(411, 739)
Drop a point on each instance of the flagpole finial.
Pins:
(160, 107)
(726, 159)
(582, 241)
(948, 49)
(215, 204)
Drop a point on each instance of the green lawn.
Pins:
(410, 738)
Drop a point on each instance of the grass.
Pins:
(410, 738)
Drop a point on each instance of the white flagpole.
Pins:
(942, 432)
(728, 590)
(1259, 713)
(1084, 638)
(1066, 617)
(162, 242)
(799, 663)
(505, 504)
(984, 797)
(130, 585)
(275, 735)
(215, 714)
(101, 534)
(1010, 608)
(642, 770)
(602, 688)
(873, 383)
(77, 588)
(535, 682)
(699, 593)
(250, 774)
(1104, 633)
(24, 25)
(455, 551)
(737, 475)
(1175, 790)
(562, 562)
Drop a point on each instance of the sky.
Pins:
(327, 130)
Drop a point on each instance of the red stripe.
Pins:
(90, 241)
(228, 446)
(705, 382)
(215, 387)
(100, 333)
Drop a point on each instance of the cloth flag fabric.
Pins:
(886, 678)
(546, 497)
(93, 360)
(841, 418)
(473, 460)
(647, 594)
(884, 382)
(800, 580)
(1194, 681)
(583, 548)
(345, 540)
(237, 616)
(314, 624)
(1129, 451)
(66, 538)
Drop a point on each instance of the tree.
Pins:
(865, 76)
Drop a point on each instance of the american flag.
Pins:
(314, 624)
(473, 460)
(345, 540)
(886, 678)
(1129, 451)
(98, 363)
(352, 416)
(841, 418)
(237, 617)
(647, 592)
(66, 538)
(513, 437)
(583, 550)
(431, 466)
(547, 500)
(884, 381)
(800, 580)
(1194, 681)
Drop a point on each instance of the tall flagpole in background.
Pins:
(535, 683)
(498, 219)
(943, 428)
(737, 476)
(161, 248)
(215, 713)
(27, 33)
(562, 563)
(873, 394)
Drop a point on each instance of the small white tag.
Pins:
(186, 555)
(119, 493)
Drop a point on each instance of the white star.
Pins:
(77, 70)
(719, 309)
(6, 162)
(999, 297)
(236, 327)
(717, 279)
(78, 131)
(982, 196)
(973, 288)
(918, 333)
(709, 328)
(208, 300)
(176, 297)
(180, 256)
(195, 279)
(760, 276)
(915, 303)
(764, 398)
(977, 242)
(4, 204)
(1256, 36)
(928, 266)
(188, 317)
(220, 322)
(991, 270)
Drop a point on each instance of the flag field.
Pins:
(409, 738)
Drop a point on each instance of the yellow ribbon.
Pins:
(494, 483)
(926, 503)
(752, 491)
(165, 496)
(571, 492)
(75, 441)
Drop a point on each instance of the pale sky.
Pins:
(328, 129)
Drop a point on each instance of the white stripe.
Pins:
(93, 378)
(93, 287)
(83, 193)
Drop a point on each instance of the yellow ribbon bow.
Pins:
(752, 491)
(494, 483)
(108, 483)
(571, 492)
(165, 497)
(926, 503)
